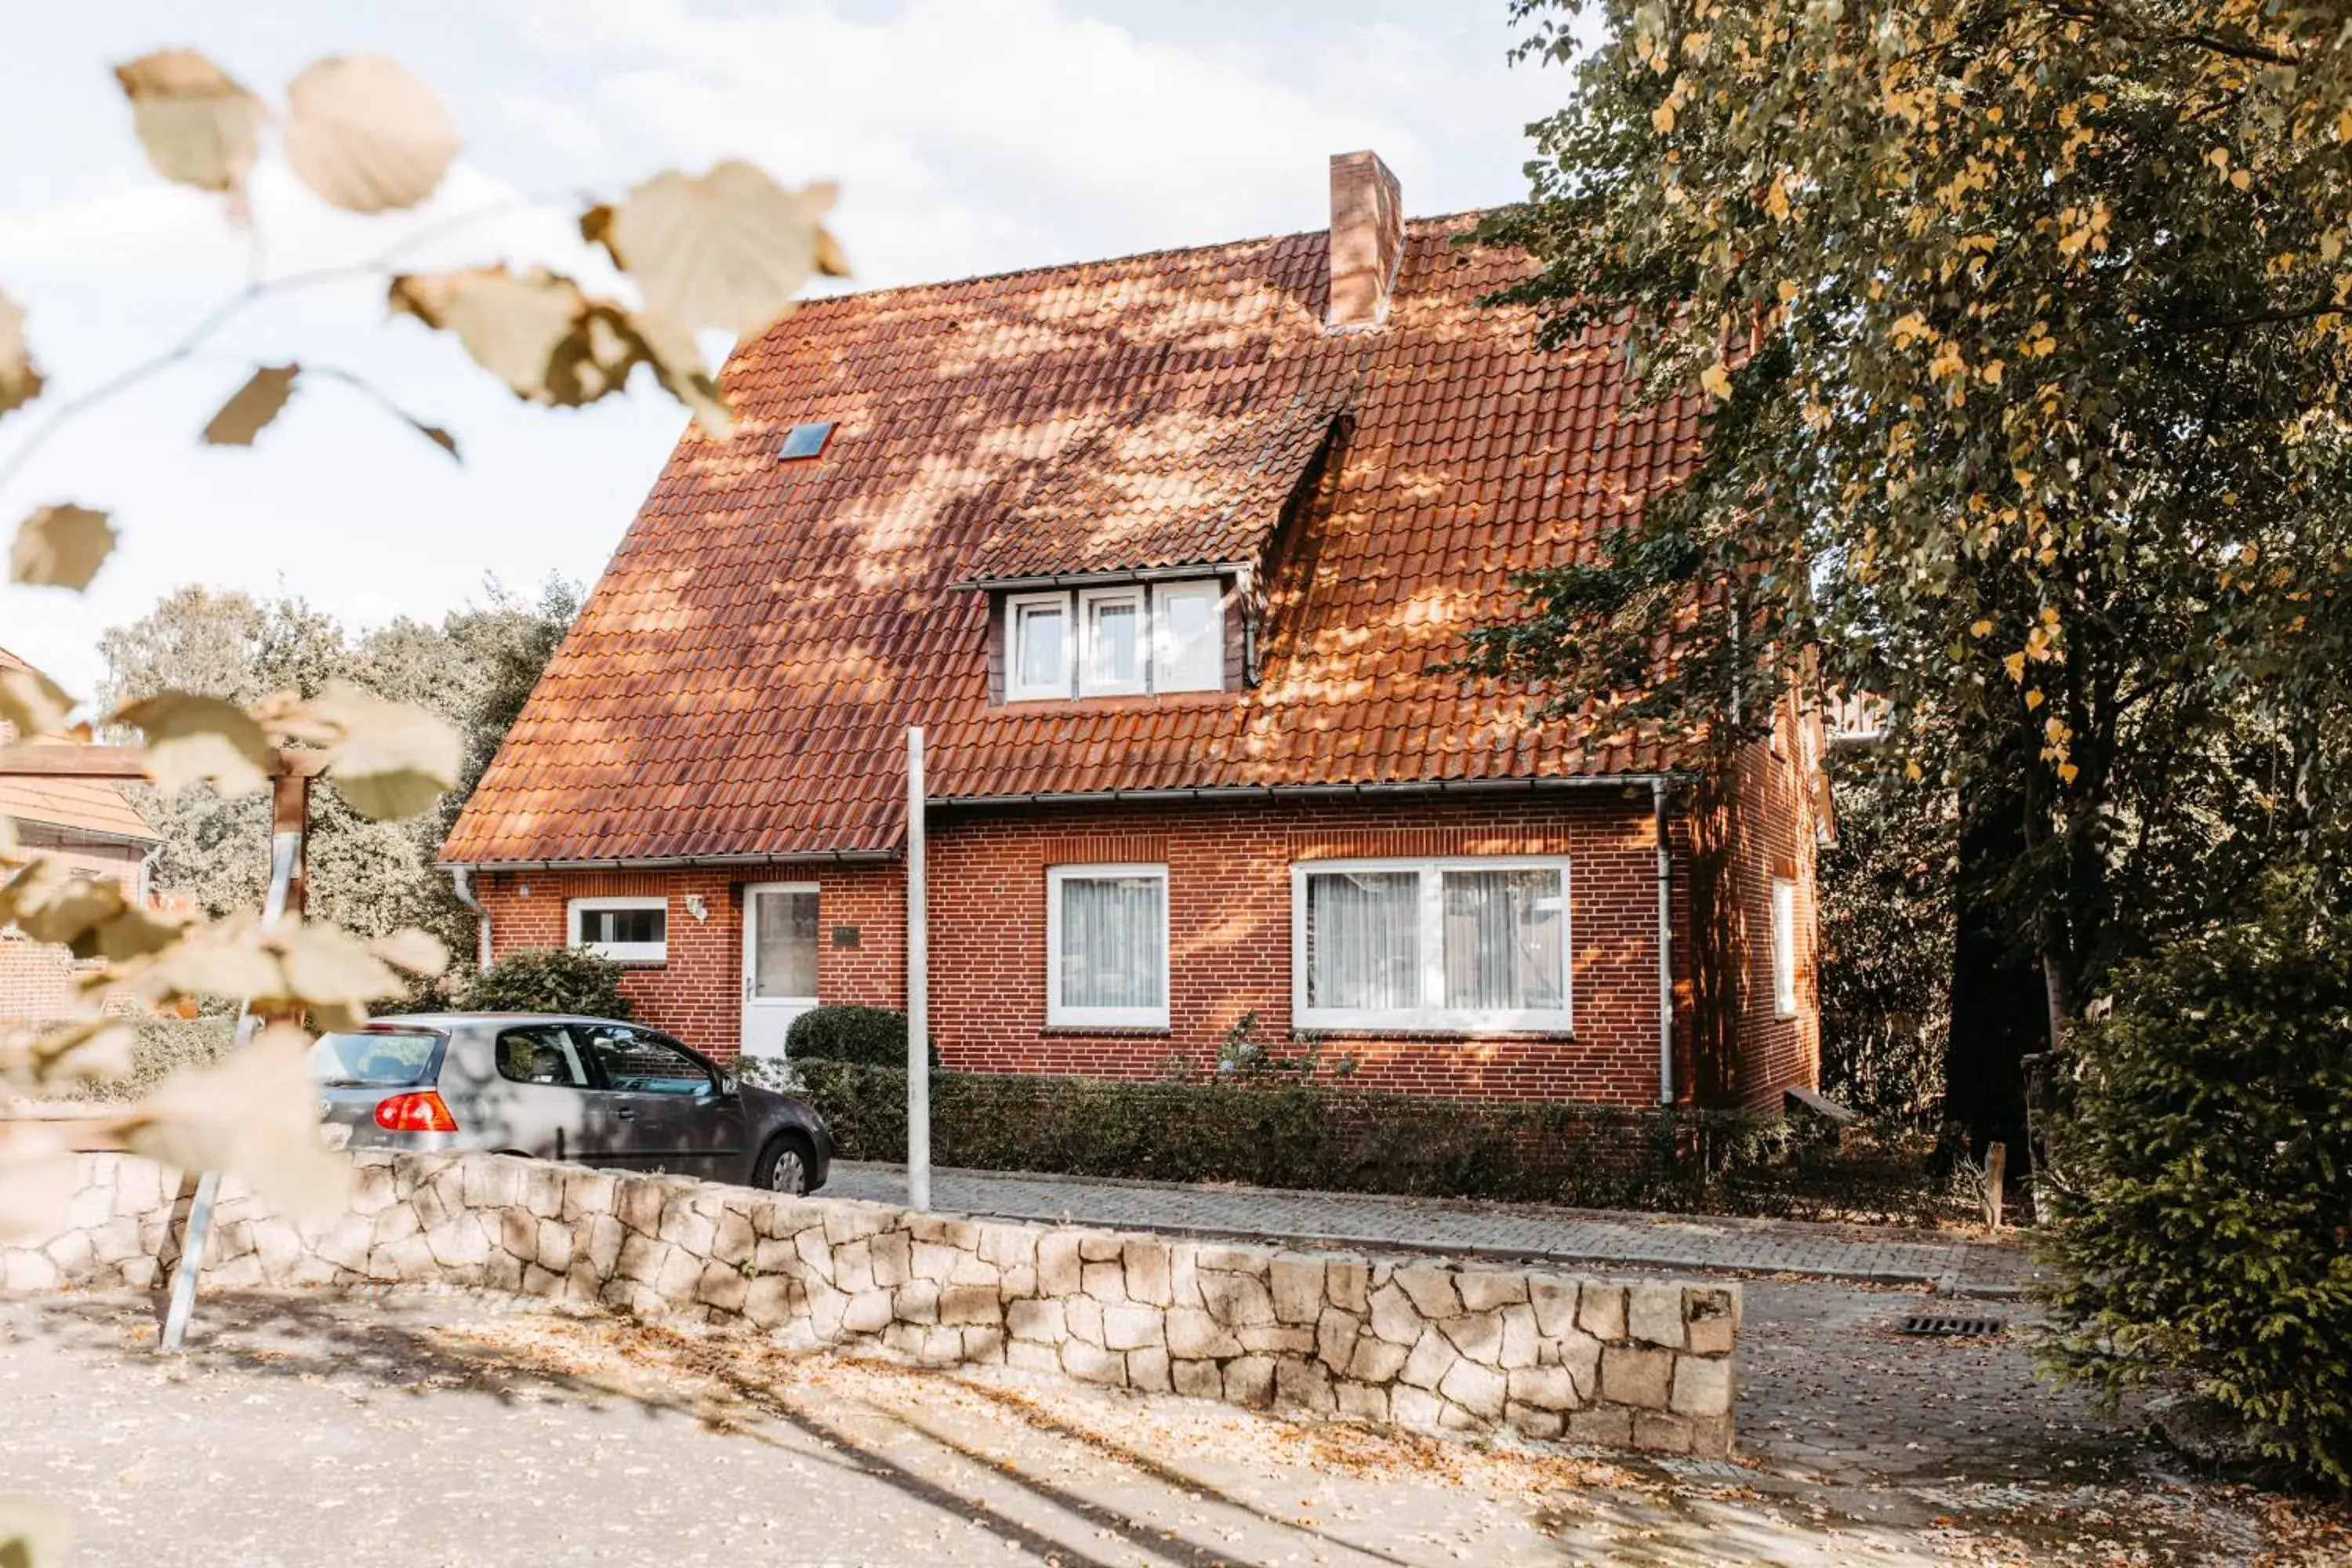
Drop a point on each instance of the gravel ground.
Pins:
(431, 1428)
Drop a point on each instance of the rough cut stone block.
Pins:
(736, 1240)
(853, 1267)
(1347, 1282)
(825, 1307)
(815, 1253)
(917, 1301)
(640, 1204)
(1431, 1291)
(1579, 1357)
(1711, 1318)
(1544, 1388)
(1194, 1334)
(1654, 1315)
(641, 1258)
(1393, 1317)
(892, 1257)
(1533, 1422)
(680, 1275)
(517, 1232)
(1021, 1279)
(1554, 1302)
(1477, 1389)
(1608, 1428)
(1091, 1363)
(934, 1260)
(1601, 1311)
(1083, 1314)
(1132, 1328)
(1297, 1287)
(1701, 1387)
(1058, 1263)
(1362, 1401)
(1147, 1371)
(1432, 1357)
(868, 1311)
(1658, 1433)
(1106, 1282)
(1029, 1356)
(1281, 1340)
(1038, 1321)
(1304, 1385)
(1484, 1291)
(1198, 1379)
(1336, 1332)
(551, 1244)
(1478, 1335)
(1099, 1249)
(984, 1346)
(1377, 1361)
(970, 1269)
(1636, 1377)
(492, 1183)
(1416, 1407)
(1008, 1246)
(722, 1288)
(777, 1255)
(587, 1193)
(1239, 1300)
(543, 1190)
(1183, 1277)
(1249, 1379)
(24, 1269)
(846, 1223)
(1522, 1338)
(1145, 1265)
(942, 1346)
(962, 1304)
(1231, 1260)
(459, 1244)
(1711, 1436)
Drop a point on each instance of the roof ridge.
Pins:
(1428, 221)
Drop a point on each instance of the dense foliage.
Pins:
(2018, 331)
(544, 980)
(1344, 1139)
(846, 1032)
(474, 670)
(2205, 1231)
(1886, 945)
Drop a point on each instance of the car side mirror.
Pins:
(730, 1087)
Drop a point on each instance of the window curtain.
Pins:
(1363, 940)
(1503, 941)
(784, 945)
(1111, 931)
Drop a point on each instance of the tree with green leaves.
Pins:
(2018, 329)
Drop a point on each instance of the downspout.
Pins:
(461, 880)
(1666, 947)
(147, 876)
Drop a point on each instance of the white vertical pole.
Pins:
(918, 988)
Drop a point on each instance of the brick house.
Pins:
(93, 828)
(1164, 555)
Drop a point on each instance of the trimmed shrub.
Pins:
(548, 980)
(1314, 1137)
(162, 1046)
(846, 1032)
(2203, 1183)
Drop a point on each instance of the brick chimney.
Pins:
(1367, 240)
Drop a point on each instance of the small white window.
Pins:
(1040, 647)
(1434, 946)
(1107, 946)
(1111, 646)
(1784, 947)
(635, 931)
(1188, 652)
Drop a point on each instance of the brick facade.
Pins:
(1229, 867)
(36, 979)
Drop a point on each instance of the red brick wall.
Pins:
(1230, 891)
(1772, 829)
(37, 980)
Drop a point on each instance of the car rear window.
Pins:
(374, 1058)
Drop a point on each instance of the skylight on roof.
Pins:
(805, 440)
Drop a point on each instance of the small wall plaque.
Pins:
(846, 936)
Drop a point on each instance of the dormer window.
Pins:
(806, 440)
(1113, 641)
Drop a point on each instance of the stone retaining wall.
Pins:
(1647, 1365)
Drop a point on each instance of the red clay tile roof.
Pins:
(1156, 487)
(89, 806)
(741, 680)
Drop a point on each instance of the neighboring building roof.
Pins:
(739, 682)
(82, 805)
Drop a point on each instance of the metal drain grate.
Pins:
(1945, 1327)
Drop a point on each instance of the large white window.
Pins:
(1116, 641)
(1450, 946)
(635, 931)
(1107, 946)
(1784, 947)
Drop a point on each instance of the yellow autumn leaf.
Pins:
(1981, 628)
(1716, 379)
(2015, 665)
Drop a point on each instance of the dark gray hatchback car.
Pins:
(558, 1087)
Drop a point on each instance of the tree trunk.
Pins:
(2000, 997)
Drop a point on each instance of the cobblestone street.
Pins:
(1459, 1228)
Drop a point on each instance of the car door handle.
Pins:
(625, 1113)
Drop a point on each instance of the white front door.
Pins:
(780, 933)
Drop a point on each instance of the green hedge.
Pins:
(846, 1032)
(1341, 1139)
(161, 1045)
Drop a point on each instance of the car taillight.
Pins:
(421, 1112)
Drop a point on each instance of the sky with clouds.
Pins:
(969, 136)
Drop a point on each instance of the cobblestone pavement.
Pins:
(1883, 1255)
(413, 1428)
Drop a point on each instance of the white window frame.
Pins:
(1164, 644)
(1059, 1016)
(1062, 685)
(1128, 594)
(1433, 1017)
(1784, 947)
(625, 952)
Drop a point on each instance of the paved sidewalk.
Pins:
(1883, 1255)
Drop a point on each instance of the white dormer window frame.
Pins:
(1164, 660)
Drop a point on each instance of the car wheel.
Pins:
(783, 1166)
